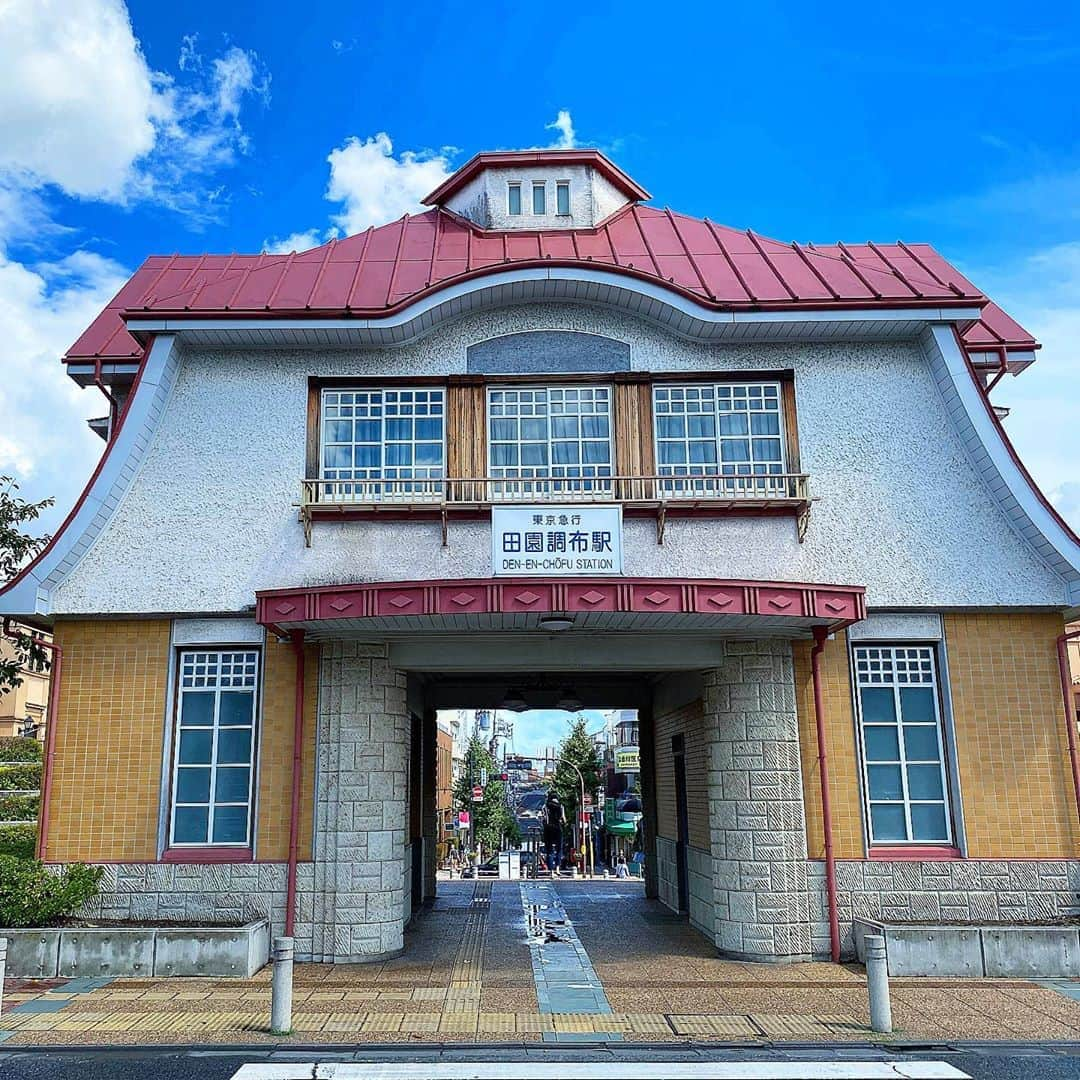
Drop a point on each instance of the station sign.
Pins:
(628, 760)
(556, 541)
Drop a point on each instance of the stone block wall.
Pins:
(758, 834)
(700, 873)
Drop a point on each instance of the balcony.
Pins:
(443, 497)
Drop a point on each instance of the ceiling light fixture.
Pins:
(514, 701)
(569, 701)
(556, 622)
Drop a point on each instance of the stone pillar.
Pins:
(647, 763)
(360, 814)
(757, 824)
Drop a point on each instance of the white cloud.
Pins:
(376, 186)
(82, 111)
(1042, 292)
(293, 242)
(564, 125)
(43, 309)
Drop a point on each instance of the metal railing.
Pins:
(697, 488)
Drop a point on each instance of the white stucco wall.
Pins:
(210, 518)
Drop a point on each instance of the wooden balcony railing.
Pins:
(321, 498)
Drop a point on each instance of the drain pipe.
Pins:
(50, 729)
(296, 637)
(1070, 707)
(820, 635)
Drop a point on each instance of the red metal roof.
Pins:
(503, 158)
(378, 272)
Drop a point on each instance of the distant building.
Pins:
(23, 709)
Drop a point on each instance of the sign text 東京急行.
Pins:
(556, 541)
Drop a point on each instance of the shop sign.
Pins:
(556, 541)
(463, 819)
(628, 760)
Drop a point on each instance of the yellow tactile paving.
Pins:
(644, 1023)
(382, 1022)
(527, 1022)
(492, 1021)
(420, 1022)
(459, 1021)
(737, 1026)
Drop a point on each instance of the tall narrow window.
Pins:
(562, 198)
(558, 432)
(214, 758)
(539, 198)
(382, 444)
(513, 199)
(900, 727)
(722, 439)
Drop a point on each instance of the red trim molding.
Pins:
(207, 855)
(910, 853)
(831, 604)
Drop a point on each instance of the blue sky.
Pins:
(210, 126)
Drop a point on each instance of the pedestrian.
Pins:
(554, 820)
(621, 869)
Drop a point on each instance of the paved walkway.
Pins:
(602, 964)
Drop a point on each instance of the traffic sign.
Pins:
(477, 793)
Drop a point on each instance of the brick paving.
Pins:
(467, 976)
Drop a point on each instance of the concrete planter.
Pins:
(1028, 952)
(138, 951)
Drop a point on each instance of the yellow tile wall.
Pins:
(276, 749)
(844, 781)
(107, 765)
(689, 720)
(1010, 732)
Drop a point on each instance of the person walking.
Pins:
(554, 822)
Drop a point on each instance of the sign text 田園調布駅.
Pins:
(556, 541)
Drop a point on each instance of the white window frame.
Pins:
(426, 481)
(541, 186)
(717, 483)
(215, 727)
(559, 186)
(510, 211)
(546, 483)
(926, 652)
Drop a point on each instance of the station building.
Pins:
(543, 436)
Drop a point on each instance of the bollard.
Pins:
(281, 987)
(3, 965)
(877, 984)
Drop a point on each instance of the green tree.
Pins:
(491, 820)
(577, 748)
(16, 547)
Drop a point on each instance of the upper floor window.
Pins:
(719, 430)
(383, 442)
(899, 717)
(562, 198)
(513, 199)
(539, 193)
(213, 767)
(561, 432)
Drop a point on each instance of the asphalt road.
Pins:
(1012, 1061)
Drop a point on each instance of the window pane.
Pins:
(539, 202)
(733, 424)
(565, 453)
(190, 823)
(672, 453)
(917, 704)
(701, 427)
(514, 198)
(597, 453)
(232, 785)
(236, 707)
(882, 744)
(921, 743)
(195, 747)
(339, 431)
(765, 424)
(193, 785)
(234, 746)
(337, 457)
(924, 782)
(885, 782)
(878, 705)
(562, 195)
(197, 709)
(565, 427)
(230, 824)
(504, 430)
(735, 450)
(887, 822)
(534, 429)
(533, 454)
(928, 822)
(672, 427)
(702, 453)
(766, 449)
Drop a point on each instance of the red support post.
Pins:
(297, 640)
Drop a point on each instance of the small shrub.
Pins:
(19, 748)
(18, 841)
(32, 895)
(18, 807)
(20, 777)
